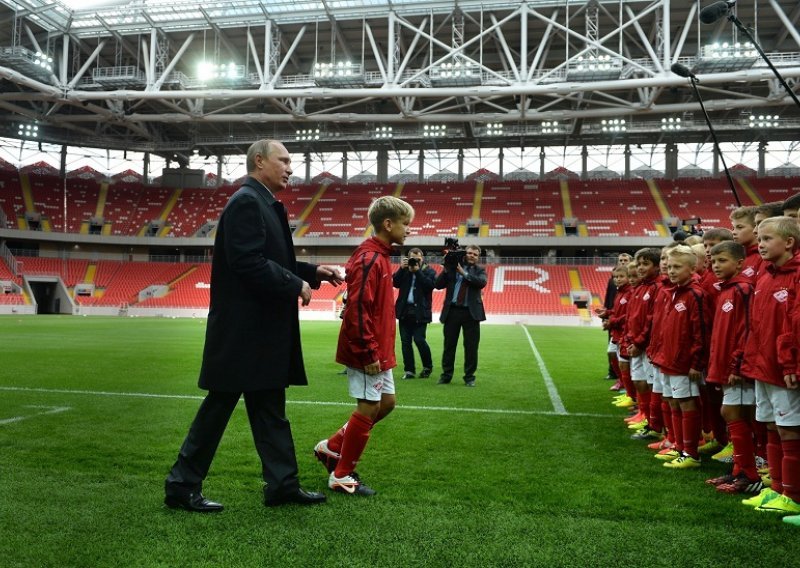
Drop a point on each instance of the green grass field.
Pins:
(93, 410)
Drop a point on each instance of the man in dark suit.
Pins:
(462, 309)
(252, 343)
(414, 280)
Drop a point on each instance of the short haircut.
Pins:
(668, 247)
(699, 252)
(474, 247)
(624, 254)
(734, 249)
(388, 207)
(649, 253)
(692, 240)
(784, 227)
(717, 234)
(620, 268)
(791, 202)
(774, 209)
(747, 214)
(416, 250)
(685, 253)
(263, 147)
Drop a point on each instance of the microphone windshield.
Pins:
(682, 70)
(714, 12)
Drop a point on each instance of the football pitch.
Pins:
(532, 468)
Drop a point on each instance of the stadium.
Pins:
(553, 134)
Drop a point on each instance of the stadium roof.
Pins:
(345, 75)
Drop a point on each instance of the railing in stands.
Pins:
(8, 256)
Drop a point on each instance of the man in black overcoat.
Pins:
(252, 345)
(462, 310)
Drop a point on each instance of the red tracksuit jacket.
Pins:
(640, 311)
(753, 264)
(730, 328)
(616, 317)
(663, 295)
(685, 330)
(773, 296)
(368, 323)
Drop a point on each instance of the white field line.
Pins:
(313, 402)
(558, 406)
(49, 410)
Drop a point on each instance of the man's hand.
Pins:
(695, 375)
(329, 274)
(461, 270)
(634, 351)
(404, 262)
(734, 380)
(791, 381)
(305, 293)
(373, 368)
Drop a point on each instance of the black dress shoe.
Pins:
(299, 497)
(444, 380)
(192, 502)
(425, 373)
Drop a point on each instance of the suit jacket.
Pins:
(423, 292)
(253, 332)
(475, 280)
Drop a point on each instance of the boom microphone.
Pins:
(682, 70)
(716, 11)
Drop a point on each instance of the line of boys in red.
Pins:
(706, 339)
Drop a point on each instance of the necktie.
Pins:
(462, 293)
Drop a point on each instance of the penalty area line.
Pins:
(505, 411)
(558, 405)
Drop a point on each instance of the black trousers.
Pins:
(458, 319)
(272, 434)
(413, 333)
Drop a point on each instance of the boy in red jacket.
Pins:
(730, 328)
(683, 356)
(366, 343)
(743, 221)
(771, 358)
(614, 322)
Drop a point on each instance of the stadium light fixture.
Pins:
(613, 125)
(671, 123)
(209, 72)
(434, 131)
(383, 132)
(28, 131)
(551, 127)
(455, 74)
(594, 68)
(764, 121)
(307, 134)
(338, 74)
(494, 129)
(719, 57)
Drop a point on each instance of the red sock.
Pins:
(775, 460)
(744, 454)
(666, 417)
(760, 434)
(335, 441)
(692, 422)
(677, 426)
(791, 469)
(656, 420)
(644, 403)
(356, 436)
(614, 362)
(630, 389)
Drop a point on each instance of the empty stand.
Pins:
(342, 210)
(615, 207)
(710, 199)
(522, 208)
(439, 208)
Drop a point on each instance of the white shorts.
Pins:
(681, 386)
(369, 387)
(743, 394)
(658, 380)
(638, 371)
(649, 370)
(622, 358)
(777, 404)
(612, 347)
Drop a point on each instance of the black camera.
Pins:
(412, 262)
(453, 253)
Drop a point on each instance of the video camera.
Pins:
(453, 253)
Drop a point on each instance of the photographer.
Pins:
(414, 279)
(462, 309)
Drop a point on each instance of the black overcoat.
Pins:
(253, 332)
